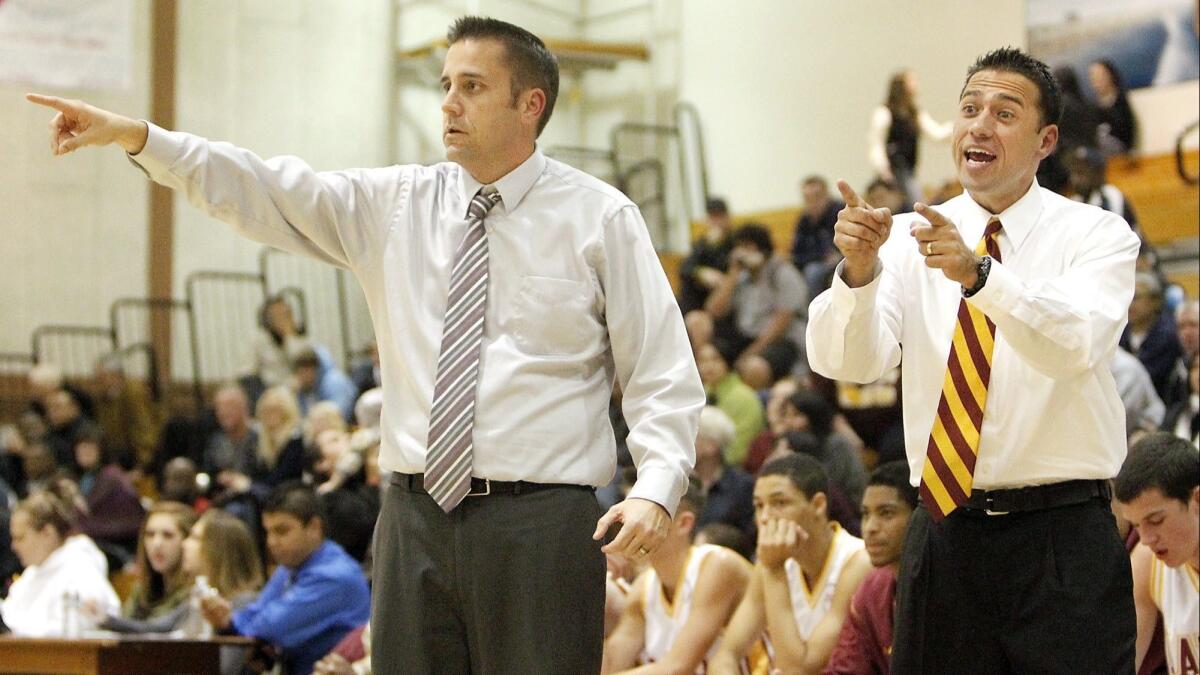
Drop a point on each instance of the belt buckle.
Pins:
(988, 502)
(487, 489)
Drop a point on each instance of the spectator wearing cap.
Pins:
(727, 392)
(702, 269)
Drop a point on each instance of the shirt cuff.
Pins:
(159, 153)
(1000, 293)
(659, 485)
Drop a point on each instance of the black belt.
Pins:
(1038, 497)
(482, 487)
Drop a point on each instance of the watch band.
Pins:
(981, 271)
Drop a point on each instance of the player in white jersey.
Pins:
(1159, 492)
(680, 603)
(806, 572)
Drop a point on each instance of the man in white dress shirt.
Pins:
(509, 577)
(1013, 563)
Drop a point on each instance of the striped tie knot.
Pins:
(450, 446)
(949, 472)
(482, 202)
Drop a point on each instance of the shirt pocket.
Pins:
(553, 316)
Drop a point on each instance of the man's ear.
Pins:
(533, 103)
(1049, 141)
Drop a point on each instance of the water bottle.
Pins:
(196, 627)
(70, 614)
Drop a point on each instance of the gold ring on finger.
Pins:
(929, 248)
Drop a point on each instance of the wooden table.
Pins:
(125, 655)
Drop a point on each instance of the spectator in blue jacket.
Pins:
(319, 379)
(317, 594)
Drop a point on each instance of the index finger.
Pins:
(932, 215)
(59, 104)
(850, 196)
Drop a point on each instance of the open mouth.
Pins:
(977, 157)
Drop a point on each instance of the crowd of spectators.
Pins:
(262, 526)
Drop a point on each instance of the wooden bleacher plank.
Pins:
(1167, 207)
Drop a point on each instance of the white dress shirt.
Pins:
(576, 296)
(34, 606)
(1059, 300)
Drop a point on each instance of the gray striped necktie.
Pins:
(452, 418)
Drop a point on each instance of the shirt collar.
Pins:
(512, 187)
(1017, 220)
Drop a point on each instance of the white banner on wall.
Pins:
(68, 44)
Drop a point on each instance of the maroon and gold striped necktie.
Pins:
(953, 446)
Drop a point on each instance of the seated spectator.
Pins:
(701, 271)
(126, 414)
(351, 656)
(1150, 334)
(726, 391)
(279, 341)
(873, 412)
(1159, 492)
(349, 504)
(163, 583)
(1183, 419)
(221, 551)
(1118, 129)
(1078, 125)
(319, 379)
(1143, 408)
(864, 645)
(60, 569)
(364, 371)
(807, 571)
(38, 466)
(114, 513)
(764, 443)
(728, 491)
(1187, 330)
(1089, 180)
(317, 594)
(885, 194)
(46, 378)
(234, 446)
(181, 483)
(280, 453)
(812, 243)
(680, 603)
(322, 417)
(67, 424)
(808, 411)
(767, 300)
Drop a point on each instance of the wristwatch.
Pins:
(981, 271)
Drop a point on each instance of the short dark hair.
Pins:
(755, 234)
(895, 475)
(715, 206)
(532, 64)
(296, 499)
(881, 182)
(1014, 60)
(815, 179)
(816, 408)
(1160, 460)
(805, 473)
